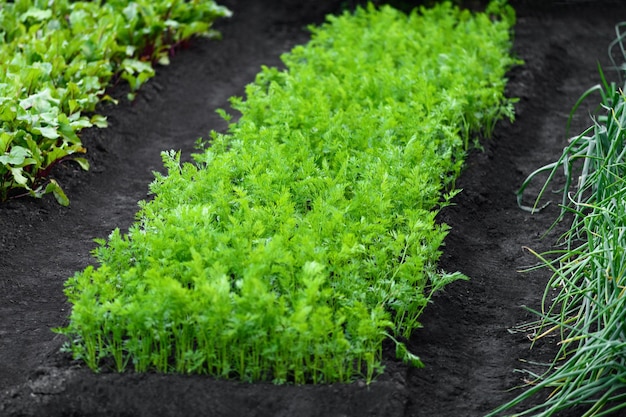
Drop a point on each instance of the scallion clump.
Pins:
(589, 270)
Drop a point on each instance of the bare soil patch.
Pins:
(469, 352)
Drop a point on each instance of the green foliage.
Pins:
(56, 59)
(589, 270)
(299, 241)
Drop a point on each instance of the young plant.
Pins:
(305, 236)
(56, 59)
(589, 372)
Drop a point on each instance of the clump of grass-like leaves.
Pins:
(589, 312)
(305, 236)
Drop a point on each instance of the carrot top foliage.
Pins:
(305, 236)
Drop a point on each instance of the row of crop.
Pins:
(589, 310)
(299, 241)
(57, 57)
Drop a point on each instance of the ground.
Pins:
(467, 344)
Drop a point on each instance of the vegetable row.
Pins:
(57, 58)
(585, 301)
(299, 241)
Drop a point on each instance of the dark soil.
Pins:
(469, 352)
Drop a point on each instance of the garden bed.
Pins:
(467, 347)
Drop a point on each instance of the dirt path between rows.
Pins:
(469, 352)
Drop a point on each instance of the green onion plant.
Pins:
(589, 270)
